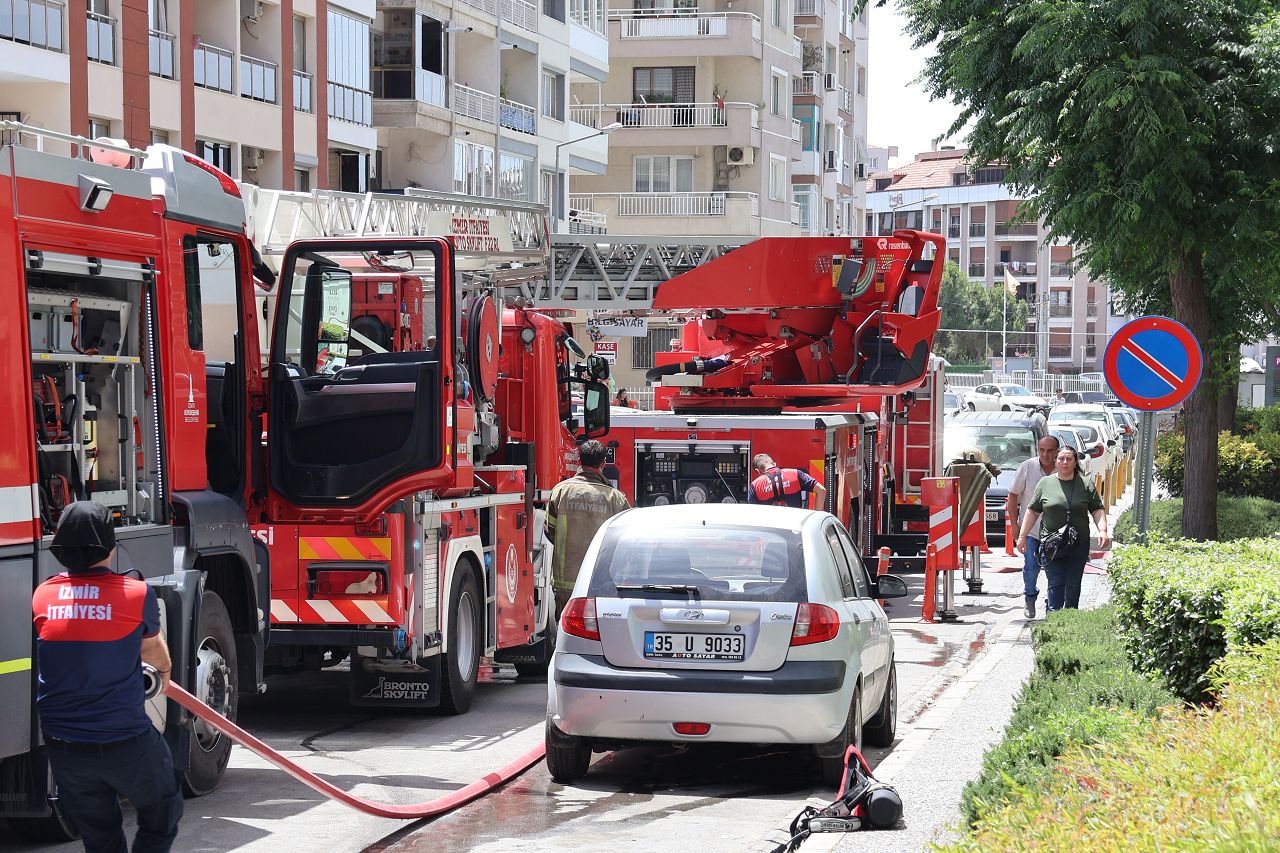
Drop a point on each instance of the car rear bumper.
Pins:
(802, 702)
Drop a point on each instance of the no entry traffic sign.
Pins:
(1152, 363)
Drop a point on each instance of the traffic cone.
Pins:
(882, 567)
(1008, 538)
(928, 611)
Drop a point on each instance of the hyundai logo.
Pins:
(691, 614)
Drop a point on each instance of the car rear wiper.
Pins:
(687, 589)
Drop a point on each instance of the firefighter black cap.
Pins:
(85, 535)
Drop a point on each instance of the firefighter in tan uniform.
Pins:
(576, 510)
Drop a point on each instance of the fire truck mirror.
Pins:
(595, 409)
(335, 307)
(574, 347)
(597, 368)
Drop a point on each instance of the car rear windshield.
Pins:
(1005, 446)
(717, 563)
(1095, 396)
(1062, 414)
(1067, 438)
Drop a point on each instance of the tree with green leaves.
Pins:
(974, 308)
(1145, 133)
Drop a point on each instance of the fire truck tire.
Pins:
(215, 685)
(831, 763)
(541, 651)
(462, 663)
(50, 829)
(883, 727)
(568, 757)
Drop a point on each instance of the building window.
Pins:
(159, 137)
(775, 12)
(959, 179)
(553, 94)
(352, 169)
(472, 168)
(214, 153)
(883, 183)
(299, 44)
(777, 177)
(99, 127)
(989, 175)
(862, 80)
(554, 9)
(778, 93)
(302, 180)
(663, 85)
(549, 196)
(663, 174)
(515, 176)
(644, 349)
(350, 98)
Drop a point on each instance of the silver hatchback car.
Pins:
(722, 623)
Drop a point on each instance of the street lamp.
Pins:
(607, 129)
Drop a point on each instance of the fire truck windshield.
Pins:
(345, 305)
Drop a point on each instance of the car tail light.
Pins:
(691, 728)
(1097, 451)
(815, 623)
(329, 582)
(579, 619)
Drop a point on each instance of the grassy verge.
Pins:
(1238, 518)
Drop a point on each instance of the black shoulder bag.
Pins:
(1058, 543)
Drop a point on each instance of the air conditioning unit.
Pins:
(829, 162)
(829, 81)
(253, 158)
(741, 155)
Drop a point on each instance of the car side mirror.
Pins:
(1111, 442)
(889, 586)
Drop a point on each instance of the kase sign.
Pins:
(1153, 363)
(608, 350)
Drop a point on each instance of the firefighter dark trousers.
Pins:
(91, 779)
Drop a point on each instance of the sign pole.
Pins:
(1146, 466)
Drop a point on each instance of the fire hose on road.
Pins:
(410, 811)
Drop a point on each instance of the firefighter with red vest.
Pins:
(783, 486)
(94, 630)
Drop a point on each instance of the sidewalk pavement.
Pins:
(947, 726)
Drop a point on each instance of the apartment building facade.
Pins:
(275, 92)
(701, 100)
(978, 214)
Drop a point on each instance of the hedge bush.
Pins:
(1182, 605)
(1083, 690)
(1260, 420)
(1184, 781)
(1238, 518)
(1246, 466)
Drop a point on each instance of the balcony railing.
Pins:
(102, 38)
(1092, 309)
(1058, 310)
(160, 53)
(349, 103)
(591, 15)
(586, 221)
(473, 103)
(673, 24)
(797, 130)
(518, 116)
(490, 6)
(807, 8)
(258, 79)
(1009, 228)
(1018, 268)
(659, 115)
(807, 83)
(953, 232)
(977, 270)
(846, 99)
(1059, 352)
(977, 229)
(522, 13)
(213, 68)
(34, 22)
(1060, 270)
(302, 91)
(797, 47)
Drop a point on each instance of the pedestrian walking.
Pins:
(94, 630)
(1064, 503)
(575, 511)
(1021, 491)
(783, 486)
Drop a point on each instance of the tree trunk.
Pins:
(1227, 408)
(1200, 484)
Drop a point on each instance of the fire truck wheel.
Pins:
(883, 727)
(215, 685)
(50, 829)
(462, 663)
(832, 765)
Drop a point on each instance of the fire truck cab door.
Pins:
(351, 425)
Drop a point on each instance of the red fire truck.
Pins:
(788, 329)
(110, 403)
(415, 428)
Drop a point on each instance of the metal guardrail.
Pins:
(517, 116)
(160, 53)
(302, 91)
(474, 103)
(258, 79)
(213, 68)
(101, 46)
(521, 13)
(349, 103)
(34, 22)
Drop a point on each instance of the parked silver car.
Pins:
(719, 623)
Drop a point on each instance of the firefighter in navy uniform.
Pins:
(94, 630)
(783, 486)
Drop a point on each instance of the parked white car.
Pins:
(1073, 435)
(716, 623)
(1099, 441)
(1004, 397)
(1094, 413)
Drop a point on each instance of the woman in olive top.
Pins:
(1066, 497)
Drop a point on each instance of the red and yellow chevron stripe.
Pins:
(344, 548)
